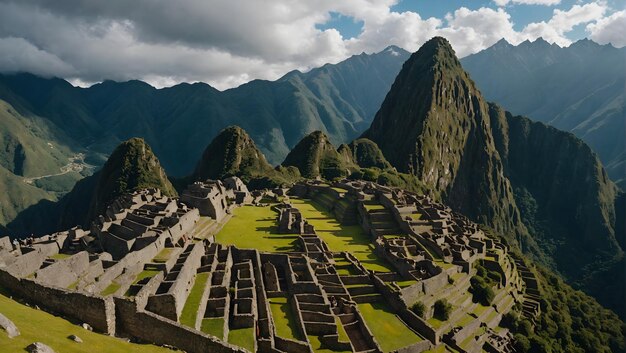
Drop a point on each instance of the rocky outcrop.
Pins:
(8, 326)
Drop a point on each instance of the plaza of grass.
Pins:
(256, 227)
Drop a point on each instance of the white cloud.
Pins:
(564, 21)
(226, 43)
(527, 2)
(611, 29)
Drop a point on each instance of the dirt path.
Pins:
(76, 164)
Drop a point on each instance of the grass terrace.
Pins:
(390, 332)
(253, 227)
(242, 337)
(190, 310)
(163, 256)
(213, 326)
(338, 237)
(39, 326)
(318, 347)
(60, 256)
(284, 319)
(201, 230)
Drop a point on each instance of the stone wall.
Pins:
(94, 310)
(26, 264)
(149, 327)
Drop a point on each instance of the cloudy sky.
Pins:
(229, 42)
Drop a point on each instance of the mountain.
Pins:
(234, 153)
(434, 124)
(131, 166)
(339, 99)
(315, 156)
(579, 88)
(367, 154)
(36, 161)
(543, 189)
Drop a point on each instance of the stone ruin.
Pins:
(133, 272)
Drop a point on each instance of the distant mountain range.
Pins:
(580, 89)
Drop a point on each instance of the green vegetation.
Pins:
(213, 326)
(190, 310)
(570, 321)
(39, 326)
(131, 166)
(482, 291)
(233, 153)
(163, 256)
(315, 156)
(284, 319)
(60, 256)
(338, 237)
(390, 332)
(111, 289)
(419, 309)
(389, 177)
(242, 337)
(442, 309)
(253, 227)
(318, 347)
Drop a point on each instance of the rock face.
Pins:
(316, 156)
(9, 326)
(39, 347)
(231, 153)
(434, 124)
(131, 166)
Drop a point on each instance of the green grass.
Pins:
(242, 337)
(317, 346)
(407, 283)
(60, 256)
(190, 310)
(145, 274)
(343, 335)
(284, 319)
(339, 237)
(416, 216)
(213, 326)
(340, 190)
(253, 227)
(111, 289)
(163, 256)
(39, 326)
(390, 332)
(373, 207)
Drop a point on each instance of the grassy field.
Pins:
(339, 237)
(163, 256)
(39, 326)
(253, 227)
(242, 337)
(390, 332)
(284, 319)
(213, 326)
(190, 310)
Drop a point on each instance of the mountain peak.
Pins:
(131, 166)
(232, 152)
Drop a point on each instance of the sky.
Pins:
(229, 42)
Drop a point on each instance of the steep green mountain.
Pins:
(36, 161)
(434, 124)
(179, 122)
(367, 154)
(543, 189)
(315, 156)
(131, 166)
(579, 89)
(234, 153)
